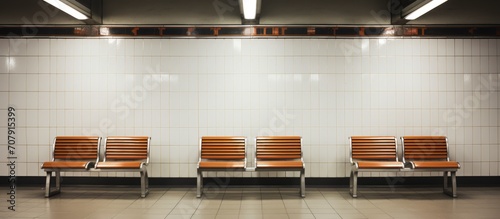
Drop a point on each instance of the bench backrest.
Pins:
(425, 148)
(278, 147)
(373, 148)
(127, 148)
(222, 148)
(76, 148)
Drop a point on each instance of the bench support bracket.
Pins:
(48, 191)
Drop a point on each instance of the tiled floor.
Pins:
(77, 202)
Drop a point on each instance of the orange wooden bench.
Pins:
(280, 153)
(220, 153)
(70, 154)
(372, 154)
(127, 154)
(430, 153)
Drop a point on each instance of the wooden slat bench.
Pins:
(127, 154)
(280, 153)
(430, 153)
(220, 153)
(372, 154)
(70, 154)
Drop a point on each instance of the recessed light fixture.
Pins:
(72, 8)
(249, 9)
(422, 8)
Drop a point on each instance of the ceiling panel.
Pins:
(273, 12)
(171, 12)
(324, 12)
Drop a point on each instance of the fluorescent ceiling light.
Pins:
(72, 8)
(249, 9)
(424, 9)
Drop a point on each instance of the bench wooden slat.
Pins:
(119, 165)
(221, 165)
(65, 165)
(279, 150)
(287, 137)
(380, 165)
(436, 164)
(221, 153)
(280, 164)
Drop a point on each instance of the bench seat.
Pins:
(279, 164)
(84, 165)
(221, 165)
(70, 154)
(220, 153)
(379, 165)
(431, 153)
(372, 154)
(434, 164)
(119, 165)
(127, 154)
(280, 153)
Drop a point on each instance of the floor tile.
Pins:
(94, 202)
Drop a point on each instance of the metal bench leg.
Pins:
(353, 184)
(199, 183)
(144, 184)
(445, 181)
(48, 190)
(446, 190)
(454, 184)
(303, 183)
(147, 182)
(47, 184)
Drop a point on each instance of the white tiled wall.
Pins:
(176, 90)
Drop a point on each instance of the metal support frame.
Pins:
(143, 171)
(353, 179)
(199, 177)
(48, 191)
(302, 176)
(452, 192)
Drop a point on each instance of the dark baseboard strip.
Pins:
(472, 181)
